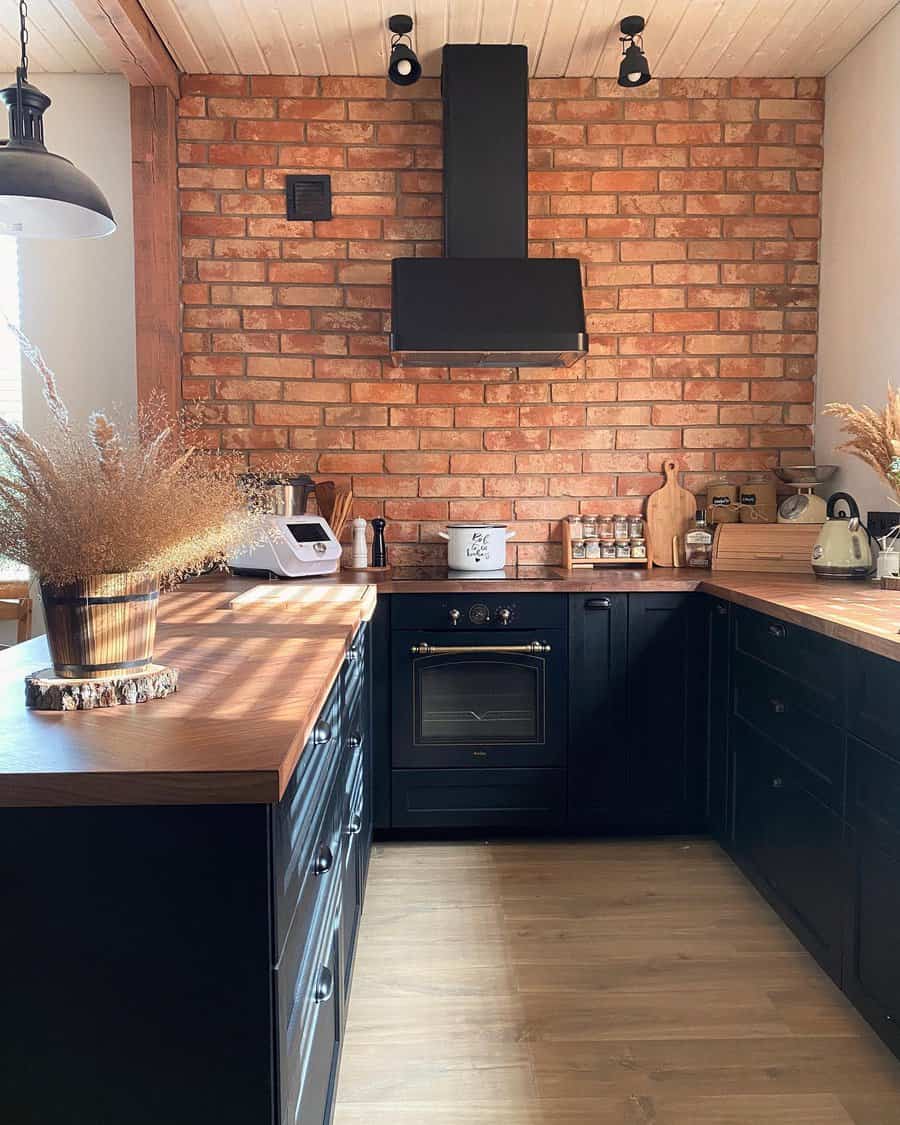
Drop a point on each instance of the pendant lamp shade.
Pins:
(43, 195)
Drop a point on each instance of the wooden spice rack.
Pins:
(590, 564)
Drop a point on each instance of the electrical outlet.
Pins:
(881, 523)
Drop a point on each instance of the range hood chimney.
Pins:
(486, 304)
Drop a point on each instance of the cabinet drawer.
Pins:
(309, 1019)
(873, 795)
(351, 892)
(793, 841)
(355, 663)
(301, 837)
(789, 714)
(811, 659)
(872, 695)
(471, 798)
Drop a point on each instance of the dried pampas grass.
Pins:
(115, 497)
(874, 436)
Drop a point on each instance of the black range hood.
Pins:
(486, 304)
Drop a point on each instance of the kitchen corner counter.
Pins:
(252, 684)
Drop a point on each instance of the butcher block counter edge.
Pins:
(254, 678)
(252, 685)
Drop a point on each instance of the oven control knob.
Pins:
(454, 616)
(503, 615)
(479, 614)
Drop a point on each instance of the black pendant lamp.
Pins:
(42, 195)
(634, 70)
(404, 68)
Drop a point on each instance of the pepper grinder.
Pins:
(379, 548)
(359, 552)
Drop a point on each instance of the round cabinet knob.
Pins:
(503, 616)
(321, 734)
(354, 827)
(454, 616)
(777, 706)
(323, 861)
(354, 742)
(777, 631)
(777, 782)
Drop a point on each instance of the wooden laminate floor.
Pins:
(599, 983)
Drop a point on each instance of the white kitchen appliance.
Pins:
(476, 546)
(804, 506)
(294, 547)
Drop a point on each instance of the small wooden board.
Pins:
(45, 691)
(670, 512)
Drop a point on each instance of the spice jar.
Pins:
(635, 527)
(638, 547)
(592, 548)
(623, 549)
(722, 500)
(578, 549)
(605, 527)
(620, 527)
(759, 499)
(589, 527)
(576, 528)
(607, 548)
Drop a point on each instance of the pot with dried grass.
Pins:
(106, 513)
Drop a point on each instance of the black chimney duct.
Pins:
(486, 303)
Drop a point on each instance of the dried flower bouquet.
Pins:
(874, 436)
(108, 498)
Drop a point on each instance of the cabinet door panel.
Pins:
(794, 842)
(666, 711)
(873, 683)
(598, 793)
(718, 652)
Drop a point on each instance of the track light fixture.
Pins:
(404, 68)
(634, 69)
(42, 195)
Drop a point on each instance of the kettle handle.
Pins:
(833, 500)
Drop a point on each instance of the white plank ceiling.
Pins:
(690, 38)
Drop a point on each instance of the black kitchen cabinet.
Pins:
(790, 842)
(598, 792)
(717, 640)
(207, 976)
(872, 966)
(665, 712)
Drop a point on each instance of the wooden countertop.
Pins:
(252, 684)
(256, 669)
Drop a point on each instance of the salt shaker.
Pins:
(359, 552)
(379, 549)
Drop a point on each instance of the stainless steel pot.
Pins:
(287, 496)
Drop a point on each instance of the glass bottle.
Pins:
(698, 542)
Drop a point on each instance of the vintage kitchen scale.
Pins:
(298, 544)
(804, 506)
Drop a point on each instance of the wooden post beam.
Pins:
(125, 29)
(157, 263)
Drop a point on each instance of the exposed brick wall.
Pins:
(692, 204)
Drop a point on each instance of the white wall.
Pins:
(859, 325)
(77, 296)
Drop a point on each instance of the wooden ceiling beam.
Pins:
(133, 41)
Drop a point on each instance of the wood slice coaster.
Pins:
(45, 691)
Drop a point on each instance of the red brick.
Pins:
(782, 437)
(302, 273)
(716, 390)
(199, 129)
(717, 297)
(717, 344)
(688, 134)
(611, 181)
(746, 414)
(339, 133)
(312, 343)
(748, 274)
(652, 251)
(720, 249)
(685, 322)
(750, 320)
(254, 438)
(251, 154)
(658, 438)
(650, 204)
(517, 439)
(588, 110)
(313, 156)
(404, 134)
(685, 367)
(718, 204)
(754, 367)
(685, 414)
(618, 227)
(281, 367)
(790, 156)
(786, 342)
(693, 180)
(693, 227)
(661, 110)
(221, 85)
(683, 273)
(651, 297)
(380, 158)
(717, 437)
(727, 109)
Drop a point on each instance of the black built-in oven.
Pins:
(478, 680)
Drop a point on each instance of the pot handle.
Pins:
(443, 535)
(833, 501)
(511, 534)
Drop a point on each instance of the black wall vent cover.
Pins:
(308, 198)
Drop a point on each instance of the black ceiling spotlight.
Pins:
(42, 195)
(404, 68)
(634, 69)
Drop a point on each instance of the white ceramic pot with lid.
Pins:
(476, 546)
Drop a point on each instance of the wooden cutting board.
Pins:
(670, 512)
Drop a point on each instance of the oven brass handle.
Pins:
(534, 648)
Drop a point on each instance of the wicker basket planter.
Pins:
(101, 626)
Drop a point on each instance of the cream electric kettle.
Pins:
(843, 549)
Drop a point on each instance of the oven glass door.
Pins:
(475, 699)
